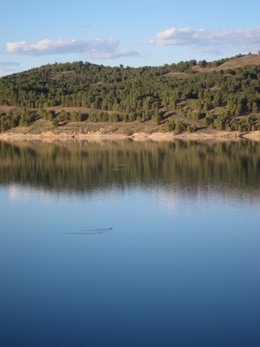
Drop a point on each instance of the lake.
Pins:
(130, 244)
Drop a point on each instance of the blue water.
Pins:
(176, 265)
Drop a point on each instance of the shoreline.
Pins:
(203, 135)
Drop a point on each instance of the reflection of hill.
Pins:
(83, 167)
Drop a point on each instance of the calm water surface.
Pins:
(130, 244)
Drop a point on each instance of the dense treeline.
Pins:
(172, 94)
(77, 167)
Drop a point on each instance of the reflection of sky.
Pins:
(180, 256)
(171, 254)
(112, 206)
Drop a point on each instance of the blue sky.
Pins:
(134, 33)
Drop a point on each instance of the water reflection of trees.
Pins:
(88, 166)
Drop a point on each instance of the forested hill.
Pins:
(187, 96)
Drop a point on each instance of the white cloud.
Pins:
(61, 46)
(102, 48)
(243, 39)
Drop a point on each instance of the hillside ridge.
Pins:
(185, 97)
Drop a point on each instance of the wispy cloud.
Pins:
(8, 66)
(214, 41)
(114, 55)
(101, 48)
(9, 63)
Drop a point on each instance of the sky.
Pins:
(131, 33)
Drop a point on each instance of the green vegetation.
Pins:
(179, 97)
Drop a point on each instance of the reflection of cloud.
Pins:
(101, 48)
(26, 193)
(20, 193)
(243, 39)
(167, 199)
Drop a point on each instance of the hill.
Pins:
(230, 63)
(187, 96)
